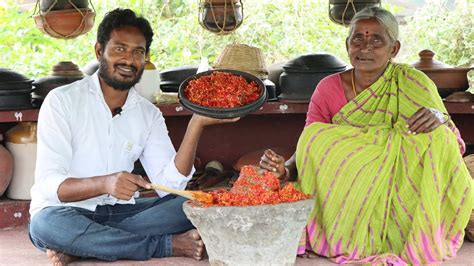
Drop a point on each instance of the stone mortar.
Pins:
(251, 235)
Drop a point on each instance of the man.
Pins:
(90, 133)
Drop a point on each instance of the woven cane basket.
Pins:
(244, 58)
(470, 226)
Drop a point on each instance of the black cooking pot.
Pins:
(169, 86)
(46, 84)
(223, 112)
(314, 63)
(8, 75)
(271, 90)
(15, 90)
(16, 85)
(176, 75)
(274, 72)
(302, 74)
(16, 99)
(11, 80)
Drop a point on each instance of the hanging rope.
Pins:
(45, 26)
(350, 8)
(351, 2)
(222, 29)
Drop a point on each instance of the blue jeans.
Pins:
(122, 231)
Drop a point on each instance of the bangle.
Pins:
(446, 118)
(443, 118)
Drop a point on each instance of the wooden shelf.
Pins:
(179, 110)
(459, 108)
(267, 108)
(19, 115)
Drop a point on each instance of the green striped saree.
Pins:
(382, 195)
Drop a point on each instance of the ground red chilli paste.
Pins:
(251, 188)
(222, 90)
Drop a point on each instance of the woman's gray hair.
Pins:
(383, 16)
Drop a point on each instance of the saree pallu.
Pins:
(382, 195)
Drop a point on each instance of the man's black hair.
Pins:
(119, 18)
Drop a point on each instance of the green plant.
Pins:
(282, 29)
(449, 32)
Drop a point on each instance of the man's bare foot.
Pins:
(59, 259)
(189, 245)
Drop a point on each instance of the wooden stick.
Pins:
(200, 196)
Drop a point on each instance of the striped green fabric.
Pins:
(383, 195)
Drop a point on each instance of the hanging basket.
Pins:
(64, 23)
(342, 11)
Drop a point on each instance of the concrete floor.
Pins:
(16, 249)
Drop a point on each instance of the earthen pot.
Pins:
(221, 16)
(67, 23)
(6, 169)
(21, 142)
(460, 97)
(448, 79)
(341, 11)
(63, 73)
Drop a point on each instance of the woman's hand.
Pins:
(275, 163)
(425, 120)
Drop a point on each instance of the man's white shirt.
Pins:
(79, 137)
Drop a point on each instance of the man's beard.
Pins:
(120, 85)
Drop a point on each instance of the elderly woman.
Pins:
(381, 158)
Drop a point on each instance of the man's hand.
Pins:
(123, 185)
(187, 150)
(424, 120)
(204, 121)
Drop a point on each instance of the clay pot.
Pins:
(67, 23)
(448, 79)
(213, 12)
(6, 169)
(341, 12)
(21, 142)
(63, 73)
(460, 97)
